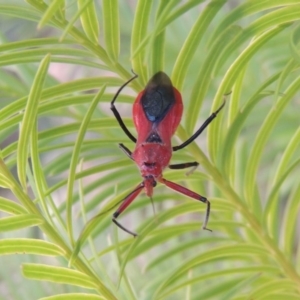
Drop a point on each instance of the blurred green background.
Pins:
(62, 173)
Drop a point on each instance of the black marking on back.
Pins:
(154, 138)
(158, 97)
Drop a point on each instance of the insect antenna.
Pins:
(153, 208)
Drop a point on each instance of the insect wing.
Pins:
(157, 110)
(158, 97)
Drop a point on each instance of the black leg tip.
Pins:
(205, 228)
(203, 199)
(115, 215)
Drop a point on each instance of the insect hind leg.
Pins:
(125, 203)
(115, 215)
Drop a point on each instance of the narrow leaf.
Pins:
(74, 160)
(11, 207)
(261, 139)
(19, 222)
(4, 181)
(235, 290)
(28, 120)
(139, 31)
(238, 250)
(192, 42)
(29, 246)
(58, 275)
(89, 19)
(111, 28)
(5, 175)
(228, 81)
(247, 8)
(89, 227)
(74, 296)
(38, 178)
(54, 6)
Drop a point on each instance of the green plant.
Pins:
(65, 168)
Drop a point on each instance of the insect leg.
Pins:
(180, 189)
(126, 202)
(116, 113)
(126, 151)
(199, 131)
(184, 165)
(193, 164)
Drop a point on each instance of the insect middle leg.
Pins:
(193, 164)
(184, 165)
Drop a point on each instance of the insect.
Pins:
(157, 112)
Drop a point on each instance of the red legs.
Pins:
(126, 202)
(180, 189)
(199, 131)
(129, 198)
(176, 187)
(116, 113)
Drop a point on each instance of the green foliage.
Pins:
(62, 174)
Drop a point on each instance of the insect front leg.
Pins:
(180, 189)
(126, 151)
(126, 202)
(116, 113)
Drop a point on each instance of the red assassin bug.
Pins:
(157, 112)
